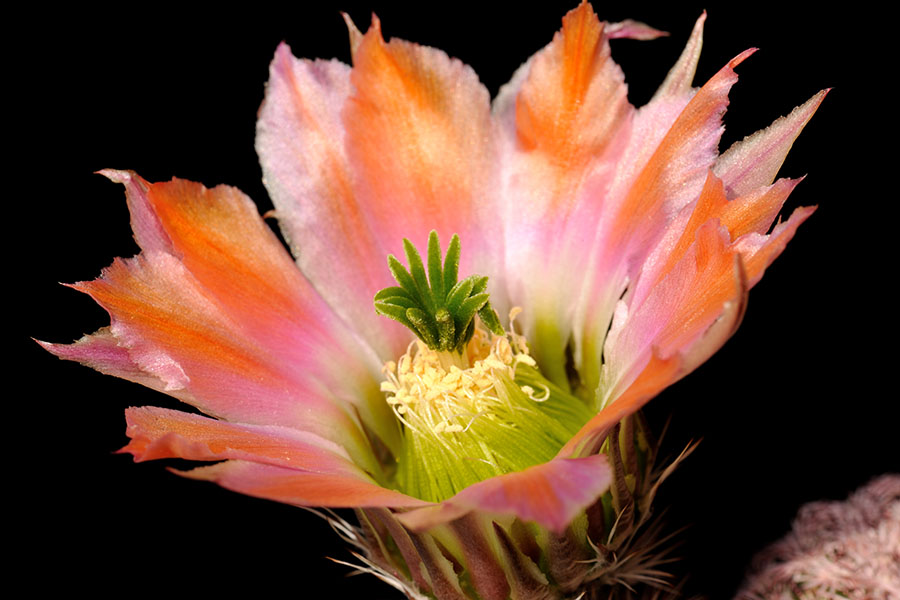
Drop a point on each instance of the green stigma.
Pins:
(439, 309)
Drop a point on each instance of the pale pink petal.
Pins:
(550, 494)
(634, 30)
(301, 144)
(357, 161)
(548, 245)
(651, 124)
(149, 231)
(101, 351)
(562, 134)
(754, 161)
(356, 36)
(680, 79)
(675, 173)
(301, 488)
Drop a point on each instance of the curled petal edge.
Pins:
(551, 494)
(300, 488)
(662, 371)
(164, 433)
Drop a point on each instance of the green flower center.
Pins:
(470, 399)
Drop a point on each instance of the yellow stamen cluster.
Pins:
(428, 397)
(473, 414)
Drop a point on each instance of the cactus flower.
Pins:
(565, 256)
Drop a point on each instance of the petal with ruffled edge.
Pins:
(300, 140)
(737, 192)
(686, 284)
(308, 466)
(101, 351)
(357, 160)
(172, 330)
(551, 494)
(158, 433)
(746, 219)
(421, 144)
(219, 237)
(759, 251)
(215, 313)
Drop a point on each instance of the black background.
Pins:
(798, 406)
